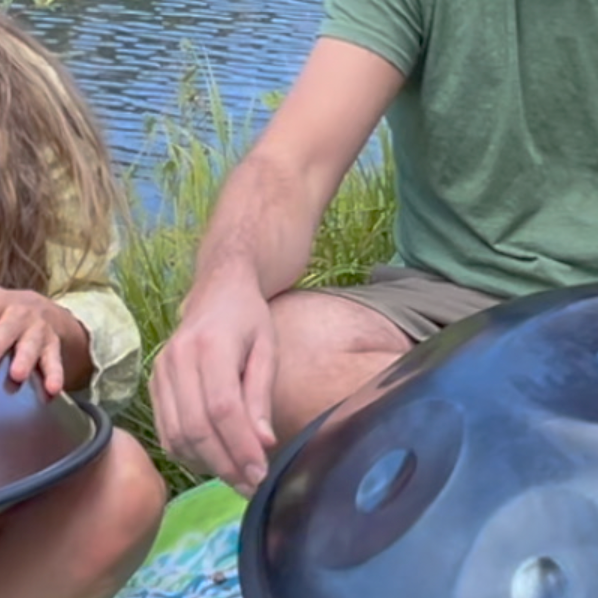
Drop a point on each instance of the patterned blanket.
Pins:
(195, 554)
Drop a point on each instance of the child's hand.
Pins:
(40, 331)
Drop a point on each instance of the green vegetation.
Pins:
(156, 266)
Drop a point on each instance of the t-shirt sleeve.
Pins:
(392, 29)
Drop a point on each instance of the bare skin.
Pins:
(328, 348)
(234, 357)
(87, 536)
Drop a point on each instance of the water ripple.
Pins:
(125, 54)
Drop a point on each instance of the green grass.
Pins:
(155, 267)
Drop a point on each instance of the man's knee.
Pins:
(327, 348)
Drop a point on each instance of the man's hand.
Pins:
(40, 333)
(212, 385)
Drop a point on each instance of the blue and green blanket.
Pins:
(195, 554)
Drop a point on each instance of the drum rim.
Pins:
(253, 578)
(84, 454)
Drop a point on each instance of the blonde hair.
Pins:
(56, 184)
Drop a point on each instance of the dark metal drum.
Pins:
(468, 469)
(43, 441)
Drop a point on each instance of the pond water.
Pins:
(126, 56)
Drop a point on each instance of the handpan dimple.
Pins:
(467, 469)
(557, 558)
(341, 534)
(540, 577)
(385, 479)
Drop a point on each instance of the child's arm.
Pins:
(114, 339)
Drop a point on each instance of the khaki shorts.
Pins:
(419, 303)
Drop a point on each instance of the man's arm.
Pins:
(212, 383)
(272, 203)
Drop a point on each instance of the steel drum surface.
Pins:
(468, 469)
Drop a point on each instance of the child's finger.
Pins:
(51, 366)
(28, 350)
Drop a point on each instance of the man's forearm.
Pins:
(263, 226)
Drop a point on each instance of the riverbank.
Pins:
(155, 267)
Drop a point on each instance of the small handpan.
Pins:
(43, 440)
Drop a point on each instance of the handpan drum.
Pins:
(468, 469)
(43, 441)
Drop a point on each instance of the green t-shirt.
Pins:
(495, 135)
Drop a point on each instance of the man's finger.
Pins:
(197, 442)
(185, 443)
(258, 383)
(228, 415)
(163, 405)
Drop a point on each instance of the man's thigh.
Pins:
(331, 341)
(418, 303)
